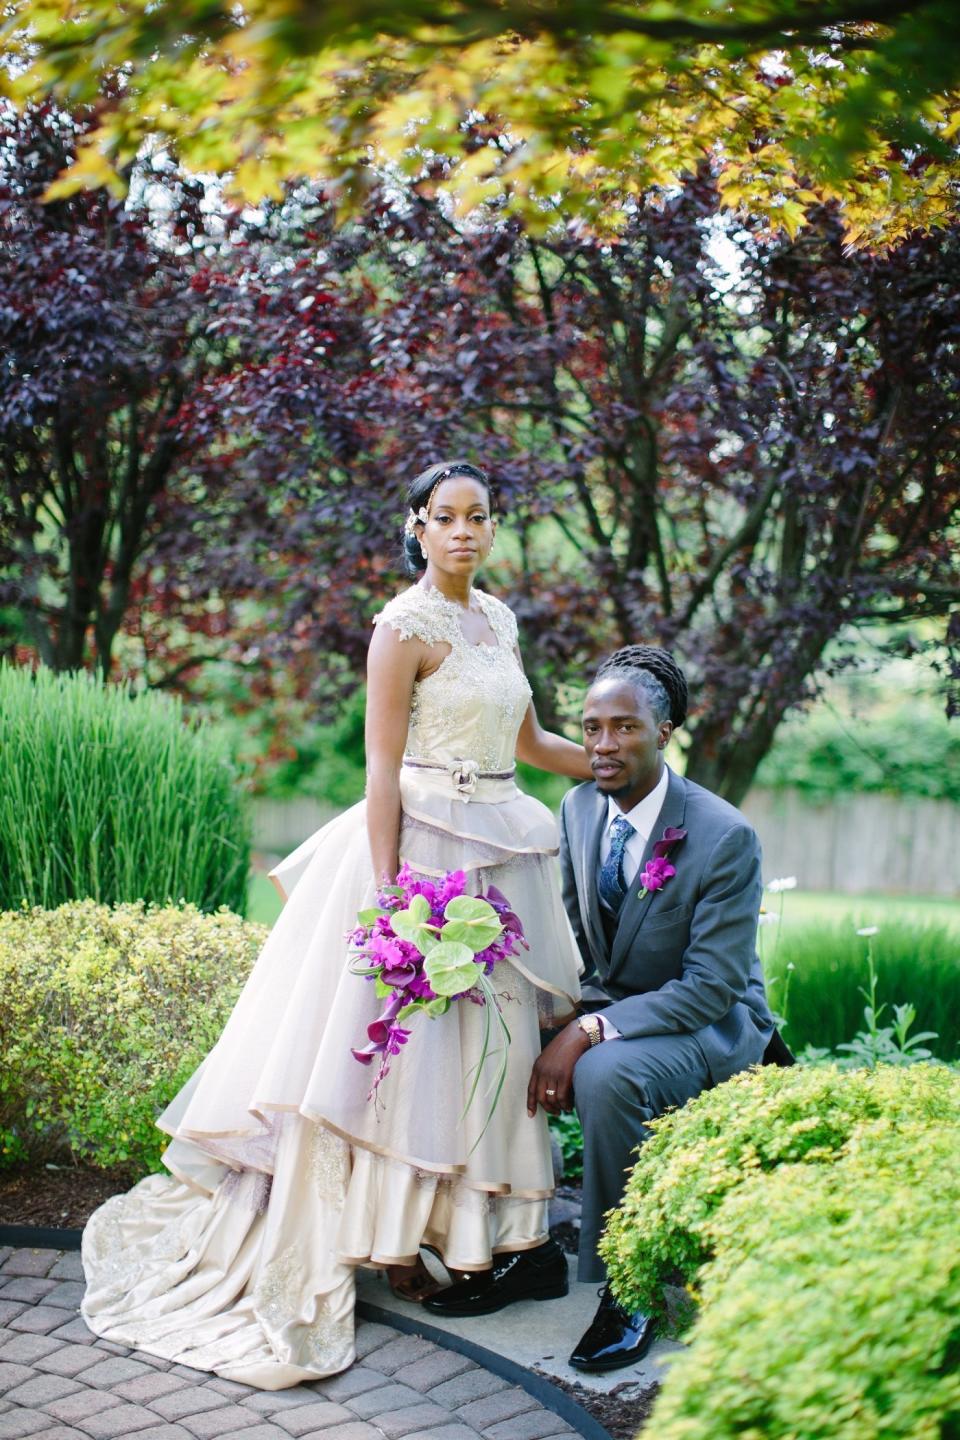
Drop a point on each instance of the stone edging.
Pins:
(548, 1395)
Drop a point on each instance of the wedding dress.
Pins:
(284, 1176)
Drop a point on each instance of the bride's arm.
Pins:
(548, 751)
(392, 666)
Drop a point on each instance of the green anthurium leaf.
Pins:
(470, 921)
(435, 1008)
(410, 924)
(411, 1009)
(367, 917)
(450, 968)
(382, 992)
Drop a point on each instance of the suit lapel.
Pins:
(633, 912)
(589, 854)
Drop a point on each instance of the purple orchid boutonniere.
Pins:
(658, 869)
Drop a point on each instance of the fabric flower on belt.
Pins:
(464, 775)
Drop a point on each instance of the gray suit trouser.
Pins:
(619, 1086)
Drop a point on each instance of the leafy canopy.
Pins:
(561, 108)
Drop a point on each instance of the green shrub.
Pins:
(113, 796)
(104, 1014)
(823, 1003)
(832, 1308)
(570, 1136)
(742, 1130)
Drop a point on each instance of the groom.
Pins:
(661, 882)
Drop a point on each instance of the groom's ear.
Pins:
(664, 731)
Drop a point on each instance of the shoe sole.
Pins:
(556, 1292)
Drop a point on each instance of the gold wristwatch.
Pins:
(591, 1027)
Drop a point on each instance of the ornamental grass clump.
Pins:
(104, 1014)
(831, 1308)
(741, 1131)
(816, 976)
(113, 796)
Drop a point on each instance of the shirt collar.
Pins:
(644, 814)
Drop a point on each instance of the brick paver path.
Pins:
(59, 1382)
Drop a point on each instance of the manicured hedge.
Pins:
(114, 796)
(104, 1014)
(812, 1214)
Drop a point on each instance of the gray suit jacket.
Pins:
(684, 958)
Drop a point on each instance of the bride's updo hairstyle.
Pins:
(419, 496)
(656, 674)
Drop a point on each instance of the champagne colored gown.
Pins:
(283, 1175)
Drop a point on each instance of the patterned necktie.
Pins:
(611, 886)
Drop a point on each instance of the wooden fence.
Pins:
(853, 844)
(858, 843)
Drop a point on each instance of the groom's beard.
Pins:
(613, 790)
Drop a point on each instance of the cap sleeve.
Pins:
(414, 618)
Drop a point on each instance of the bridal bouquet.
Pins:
(425, 945)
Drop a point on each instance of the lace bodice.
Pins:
(472, 706)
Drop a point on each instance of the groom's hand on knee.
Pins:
(551, 1079)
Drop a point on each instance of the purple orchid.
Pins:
(658, 869)
(656, 873)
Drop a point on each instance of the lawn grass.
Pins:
(817, 973)
(813, 907)
(263, 902)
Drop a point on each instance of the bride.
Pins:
(283, 1177)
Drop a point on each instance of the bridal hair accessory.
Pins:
(417, 517)
(658, 869)
(424, 945)
(421, 516)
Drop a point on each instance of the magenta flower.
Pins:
(419, 988)
(397, 1038)
(452, 885)
(386, 952)
(656, 874)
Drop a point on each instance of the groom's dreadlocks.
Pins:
(650, 660)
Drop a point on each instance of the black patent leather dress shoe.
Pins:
(538, 1274)
(615, 1337)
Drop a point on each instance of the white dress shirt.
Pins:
(643, 817)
